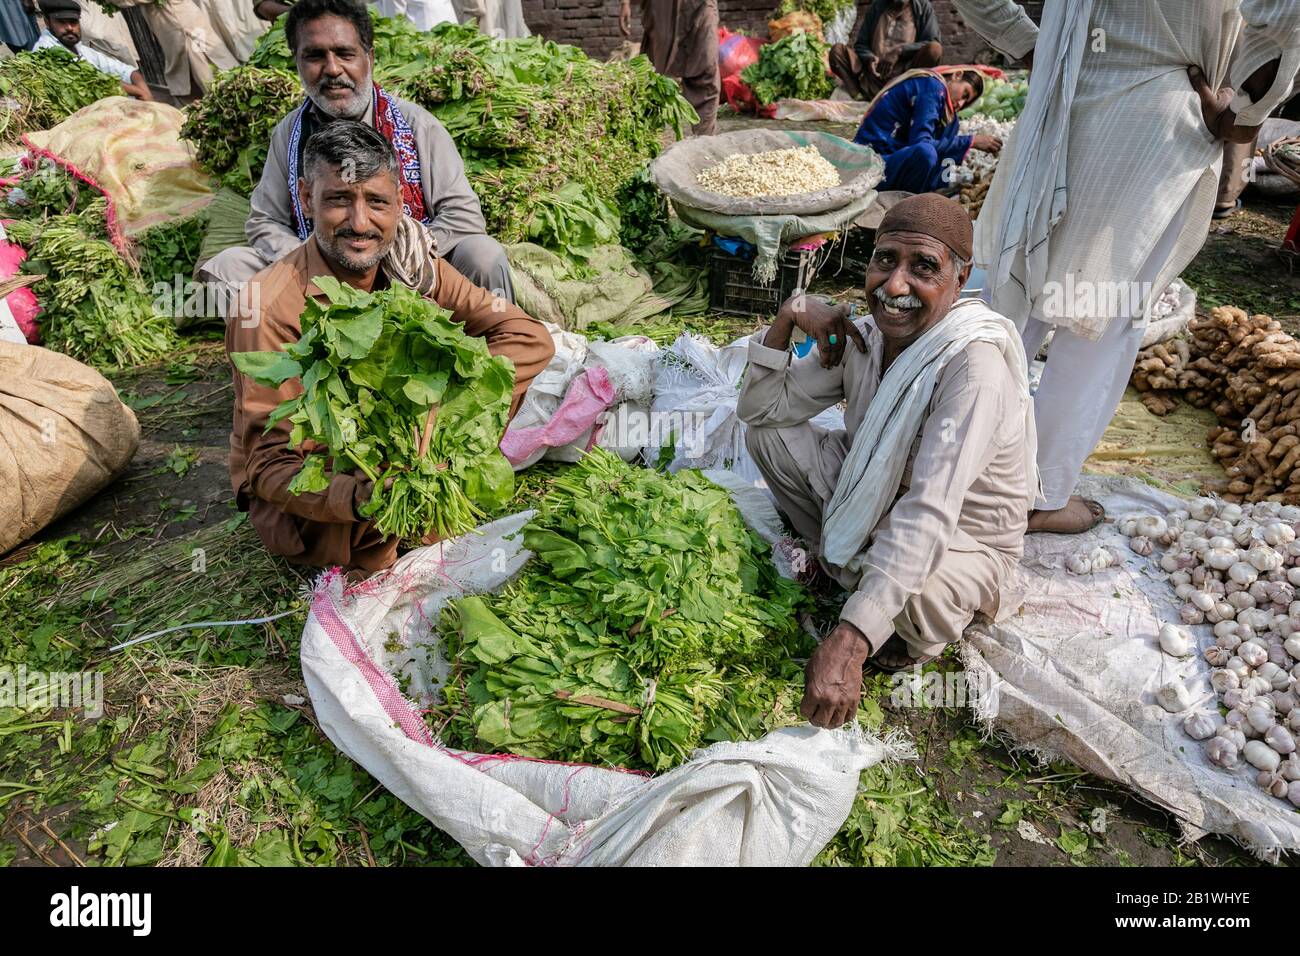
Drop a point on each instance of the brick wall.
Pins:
(593, 24)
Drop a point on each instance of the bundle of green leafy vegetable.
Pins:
(791, 68)
(44, 188)
(42, 88)
(171, 249)
(93, 304)
(527, 116)
(231, 125)
(649, 620)
(394, 389)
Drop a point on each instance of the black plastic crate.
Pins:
(732, 287)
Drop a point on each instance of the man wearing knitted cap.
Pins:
(919, 504)
(63, 31)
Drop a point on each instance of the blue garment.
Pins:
(17, 28)
(907, 129)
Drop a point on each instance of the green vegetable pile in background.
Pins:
(45, 87)
(826, 10)
(1001, 100)
(650, 620)
(93, 304)
(231, 126)
(394, 389)
(549, 136)
(792, 68)
(45, 189)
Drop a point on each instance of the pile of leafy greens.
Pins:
(93, 304)
(171, 249)
(527, 116)
(649, 620)
(42, 88)
(394, 389)
(792, 68)
(231, 125)
(43, 188)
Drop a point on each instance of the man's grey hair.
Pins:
(355, 148)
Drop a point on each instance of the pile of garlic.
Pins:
(1237, 567)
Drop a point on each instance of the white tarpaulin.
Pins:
(1077, 669)
(770, 802)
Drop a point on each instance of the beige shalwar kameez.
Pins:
(956, 528)
(190, 42)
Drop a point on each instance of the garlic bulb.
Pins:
(1272, 782)
(1127, 524)
(1275, 677)
(1191, 614)
(1284, 701)
(1260, 715)
(1241, 600)
(1100, 558)
(1290, 768)
(1203, 509)
(1280, 739)
(1293, 721)
(1203, 600)
(1201, 725)
(1141, 546)
(1231, 734)
(1243, 573)
(1217, 656)
(1260, 755)
(1264, 559)
(1174, 697)
(1174, 641)
(1078, 564)
(1235, 697)
(1293, 575)
(1150, 526)
(1221, 558)
(1277, 533)
(1222, 752)
(1239, 667)
(1289, 514)
(1180, 577)
(1256, 686)
(1278, 657)
(1223, 680)
(1230, 512)
(1169, 562)
(1253, 654)
(1229, 642)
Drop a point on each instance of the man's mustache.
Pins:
(347, 233)
(342, 83)
(901, 302)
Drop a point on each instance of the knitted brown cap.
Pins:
(931, 215)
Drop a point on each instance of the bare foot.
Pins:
(894, 656)
(1078, 515)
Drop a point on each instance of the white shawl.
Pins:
(873, 469)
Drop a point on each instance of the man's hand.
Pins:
(826, 323)
(989, 144)
(870, 65)
(625, 18)
(365, 490)
(833, 679)
(1219, 118)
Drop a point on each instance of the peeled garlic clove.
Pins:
(1174, 697)
(1261, 756)
(1272, 783)
(1222, 752)
(1223, 680)
(1253, 654)
(1280, 739)
(1174, 641)
(1200, 726)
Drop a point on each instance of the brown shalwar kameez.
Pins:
(322, 528)
(681, 40)
(956, 529)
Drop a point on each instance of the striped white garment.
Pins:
(1135, 145)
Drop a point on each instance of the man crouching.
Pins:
(921, 503)
(351, 192)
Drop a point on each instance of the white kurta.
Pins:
(1140, 177)
(191, 44)
(108, 33)
(1138, 148)
(100, 61)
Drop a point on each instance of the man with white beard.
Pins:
(333, 46)
(1107, 184)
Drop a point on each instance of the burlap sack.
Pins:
(64, 435)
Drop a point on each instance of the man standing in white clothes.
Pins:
(63, 32)
(1106, 186)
